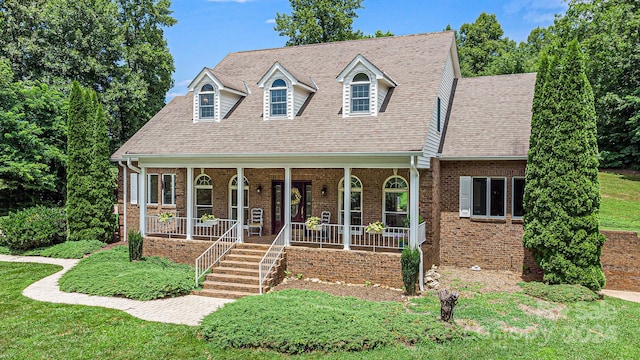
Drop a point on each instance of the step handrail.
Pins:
(271, 256)
(216, 251)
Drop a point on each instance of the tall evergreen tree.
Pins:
(101, 194)
(89, 187)
(562, 192)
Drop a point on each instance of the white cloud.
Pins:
(184, 82)
(535, 11)
(270, 21)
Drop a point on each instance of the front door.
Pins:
(300, 203)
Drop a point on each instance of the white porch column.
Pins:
(240, 200)
(346, 230)
(142, 181)
(189, 203)
(287, 205)
(125, 175)
(414, 217)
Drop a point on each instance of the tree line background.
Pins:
(117, 48)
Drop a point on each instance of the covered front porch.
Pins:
(373, 188)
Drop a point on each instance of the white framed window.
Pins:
(360, 93)
(168, 189)
(207, 104)
(489, 197)
(233, 199)
(133, 189)
(203, 190)
(395, 201)
(517, 197)
(152, 189)
(356, 201)
(278, 98)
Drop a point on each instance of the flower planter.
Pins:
(377, 232)
(211, 222)
(166, 221)
(316, 227)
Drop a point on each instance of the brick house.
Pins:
(438, 158)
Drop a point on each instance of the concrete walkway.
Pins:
(187, 310)
(624, 295)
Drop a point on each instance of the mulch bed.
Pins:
(464, 280)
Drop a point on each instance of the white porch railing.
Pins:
(327, 234)
(271, 256)
(177, 226)
(331, 234)
(216, 251)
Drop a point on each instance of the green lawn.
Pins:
(620, 207)
(507, 326)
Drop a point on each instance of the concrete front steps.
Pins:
(237, 275)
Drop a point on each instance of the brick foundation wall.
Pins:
(356, 267)
(620, 260)
(178, 250)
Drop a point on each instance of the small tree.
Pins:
(562, 192)
(410, 261)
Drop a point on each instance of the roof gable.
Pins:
(295, 80)
(361, 60)
(236, 87)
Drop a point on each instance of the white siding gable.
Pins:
(434, 135)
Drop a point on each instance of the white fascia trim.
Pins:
(135, 157)
(480, 158)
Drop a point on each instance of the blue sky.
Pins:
(207, 30)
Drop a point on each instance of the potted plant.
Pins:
(375, 228)
(313, 223)
(165, 217)
(209, 219)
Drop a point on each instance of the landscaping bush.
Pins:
(301, 321)
(33, 228)
(135, 245)
(410, 261)
(69, 249)
(559, 293)
(110, 273)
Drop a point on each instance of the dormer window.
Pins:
(278, 98)
(207, 104)
(213, 99)
(285, 95)
(360, 93)
(365, 89)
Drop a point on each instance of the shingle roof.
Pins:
(416, 62)
(490, 117)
